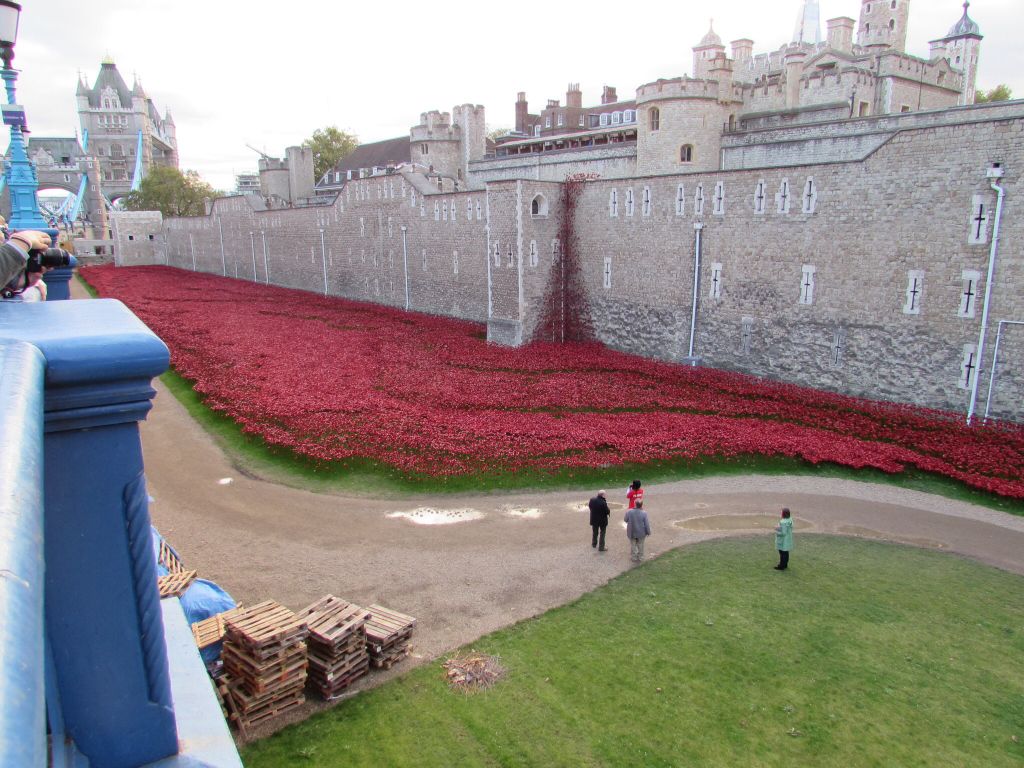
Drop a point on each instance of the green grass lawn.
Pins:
(862, 654)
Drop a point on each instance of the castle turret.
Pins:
(961, 47)
(705, 53)
(883, 24)
(742, 51)
(840, 34)
(794, 63)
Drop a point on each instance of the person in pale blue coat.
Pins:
(638, 528)
(784, 539)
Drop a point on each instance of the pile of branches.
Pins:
(473, 672)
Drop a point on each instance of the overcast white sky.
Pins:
(237, 72)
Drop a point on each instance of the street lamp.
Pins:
(19, 173)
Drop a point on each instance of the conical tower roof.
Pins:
(711, 38)
(966, 25)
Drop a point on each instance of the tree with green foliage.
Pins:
(1001, 92)
(172, 192)
(329, 146)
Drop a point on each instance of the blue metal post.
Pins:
(103, 615)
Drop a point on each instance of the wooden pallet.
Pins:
(333, 688)
(337, 668)
(331, 620)
(385, 624)
(262, 679)
(389, 659)
(266, 629)
(175, 584)
(248, 711)
(168, 559)
(210, 631)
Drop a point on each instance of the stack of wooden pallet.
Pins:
(336, 643)
(264, 661)
(387, 636)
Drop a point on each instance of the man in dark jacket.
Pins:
(599, 513)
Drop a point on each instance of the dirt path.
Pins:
(523, 554)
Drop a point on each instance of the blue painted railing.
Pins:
(121, 678)
(22, 723)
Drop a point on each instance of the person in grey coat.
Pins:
(638, 528)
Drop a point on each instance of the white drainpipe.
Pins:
(995, 173)
(405, 262)
(698, 230)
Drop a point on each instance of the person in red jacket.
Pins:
(634, 494)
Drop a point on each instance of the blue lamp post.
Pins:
(19, 172)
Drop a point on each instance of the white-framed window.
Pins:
(613, 203)
(362, 227)
(437, 211)
(807, 284)
(533, 253)
(654, 119)
(630, 203)
(915, 291)
(469, 209)
(686, 153)
(809, 200)
(782, 197)
(607, 273)
(561, 119)
(444, 210)
(616, 118)
(680, 200)
(977, 234)
(497, 254)
(391, 228)
(719, 199)
(646, 209)
(969, 293)
(452, 209)
(605, 118)
(479, 213)
(547, 121)
(698, 200)
(412, 198)
(629, 116)
(539, 206)
(582, 121)
(715, 292)
(536, 131)
(511, 256)
(423, 258)
(455, 263)
(969, 366)
(760, 196)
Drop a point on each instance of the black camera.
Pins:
(50, 257)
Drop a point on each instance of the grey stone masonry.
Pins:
(864, 276)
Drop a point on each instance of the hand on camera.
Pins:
(31, 240)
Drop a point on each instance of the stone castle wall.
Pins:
(848, 276)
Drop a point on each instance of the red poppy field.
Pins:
(335, 380)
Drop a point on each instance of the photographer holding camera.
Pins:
(23, 259)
